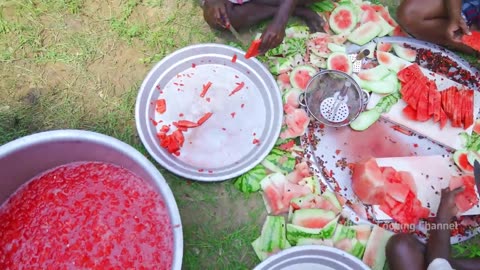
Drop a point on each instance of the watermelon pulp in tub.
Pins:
(85, 214)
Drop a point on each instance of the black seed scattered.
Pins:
(432, 187)
(427, 176)
(436, 192)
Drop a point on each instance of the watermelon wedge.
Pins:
(467, 198)
(472, 40)
(374, 255)
(343, 19)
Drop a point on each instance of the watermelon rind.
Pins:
(365, 119)
(393, 78)
(262, 255)
(379, 87)
(278, 180)
(343, 8)
(318, 61)
(298, 31)
(278, 65)
(456, 159)
(364, 33)
(386, 27)
(342, 232)
(394, 63)
(330, 196)
(313, 183)
(275, 162)
(294, 233)
(311, 71)
(249, 182)
(374, 254)
(335, 57)
(402, 52)
(358, 248)
(374, 74)
(320, 49)
(336, 48)
(291, 93)
(300, 215)
(273, 236)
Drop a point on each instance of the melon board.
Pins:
(333, 151)
(431, 175)
(447, 136)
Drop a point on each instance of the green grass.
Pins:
(78, 64)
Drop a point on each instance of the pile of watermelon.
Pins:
(426, 102)
(395, 191)
(288, 186)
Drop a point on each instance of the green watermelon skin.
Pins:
(374, 255)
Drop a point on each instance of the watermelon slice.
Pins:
(384, 46)
(467, 198)
(339, 61)
(374, 74)
(345, 238)
(318, 44)
(294, 232)
(405, 53)
(312, 218)
(443, 118)
(472, 40)
(460, 157)
(272, 192)
(469, 114)
(336, 48)
(392, 62)
(409, 73)
(343, 19)
(364, 33)
(368, 182)
(273, 237)
(301, 75)
(399, 32)
(383, 11)
(422, 106)
(374, 255)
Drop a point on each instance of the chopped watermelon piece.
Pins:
(238, 88)
(368, 182)
(468, 118)
(422, 106)
(467, 198)
(443, 118)
(161, 106)
(205, 89)
(410, 113)
(409, 73)
(204, 118)
(178, 136)
(254, 48)
(472, 40)
(186, 124)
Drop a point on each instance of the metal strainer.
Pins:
(334, 98)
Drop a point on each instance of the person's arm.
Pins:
(217, 11)
(465, 264)
(438, 245)
(275, 31)
(456, 21)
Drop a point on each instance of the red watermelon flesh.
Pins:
(472, 40)
(409, 73)
(457, 109)
(468, 117)
(410, 113)
(385, 14)
(443, 118)
(301, 171)
(389, 173)
(397, 191)
(273, 197)
(384, 46)
(302, 77)
(422, 106)
(399, 32)
(343, 19)
(368, 182)
(369, 15)
(407, 90)
(432, 91)
(467, 198)
(407, 179)
(292, 191)
(437, 106)
(476, 127)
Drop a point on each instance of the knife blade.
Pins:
(236, 34)
(476, 173)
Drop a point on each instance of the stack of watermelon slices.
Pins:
(395, 191)
(426, 102)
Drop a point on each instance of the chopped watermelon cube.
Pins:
(410, 113)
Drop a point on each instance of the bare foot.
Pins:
(312, 19)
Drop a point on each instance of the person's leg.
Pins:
(253, 12)
(427, 20)
(404, 251)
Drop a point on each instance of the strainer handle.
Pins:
(301, 100)
(366, 97)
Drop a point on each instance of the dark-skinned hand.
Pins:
(447, 208)
(272, 37)
(216, 9)
(457, 27)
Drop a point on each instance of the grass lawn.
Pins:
(79, 63)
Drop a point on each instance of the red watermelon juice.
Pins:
(86, 215)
